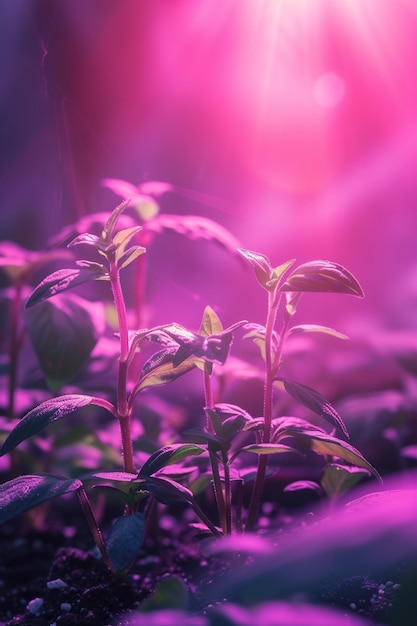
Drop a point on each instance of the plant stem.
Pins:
(14, 349)
(123, 412)
(217, 483)
(268, 397)
(95, 530)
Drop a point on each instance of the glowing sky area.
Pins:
(294, 120)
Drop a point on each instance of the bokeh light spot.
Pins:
(329, 90)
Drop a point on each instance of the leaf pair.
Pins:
(319, 276)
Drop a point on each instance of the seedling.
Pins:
(224, 438)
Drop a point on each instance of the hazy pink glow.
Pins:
(291, 122)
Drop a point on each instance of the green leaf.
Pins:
(25, 492)
(169, 455)
(338, 479)
(268, 448)
(278, 273)
(110, 225)
(316, 328)
(170, 594)
(63, 334)
(44, 414)
(129, 256)
(322, 443)
(125, 539)
(166, 490)
(314, 401)
(322, 276)
(159, 369)
(62, 280)
(124, 236)
(210, 324)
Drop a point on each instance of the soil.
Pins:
(57, 578)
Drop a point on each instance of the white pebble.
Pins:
(66, 606)
(35, 605)
(58, 583)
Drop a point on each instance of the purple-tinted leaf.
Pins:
(325, 444)
(323, 276)
(60, 281)
(260, 263)
(86, 239)
(203, 436)
(316, 328)
(116, 476)
(369, 537)
(294, 613)
(125, 539)
(93, 221)
(298, 485)
(63, 333)
(314, 401)
(169, 455)
(44, 414)
(166, 490)
(194, 227)
(25, 492)
(17, 261)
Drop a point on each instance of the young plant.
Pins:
(116, 252)
(223, 439)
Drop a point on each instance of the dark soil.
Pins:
(57, 578)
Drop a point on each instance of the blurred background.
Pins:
(293, 123)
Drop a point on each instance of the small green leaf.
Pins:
(44, 414)
(322, 443)
(110, 225)
(125, 539)
(268, 448)
(338, 479)
(124, 236)
(129, 256)
(62, 280)
(25, 492)
(170, 594)
(322, 276)
(210, 324)
(169, 455)
(314, 401)
(278, 273)
(63, 333)
(159, 369)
